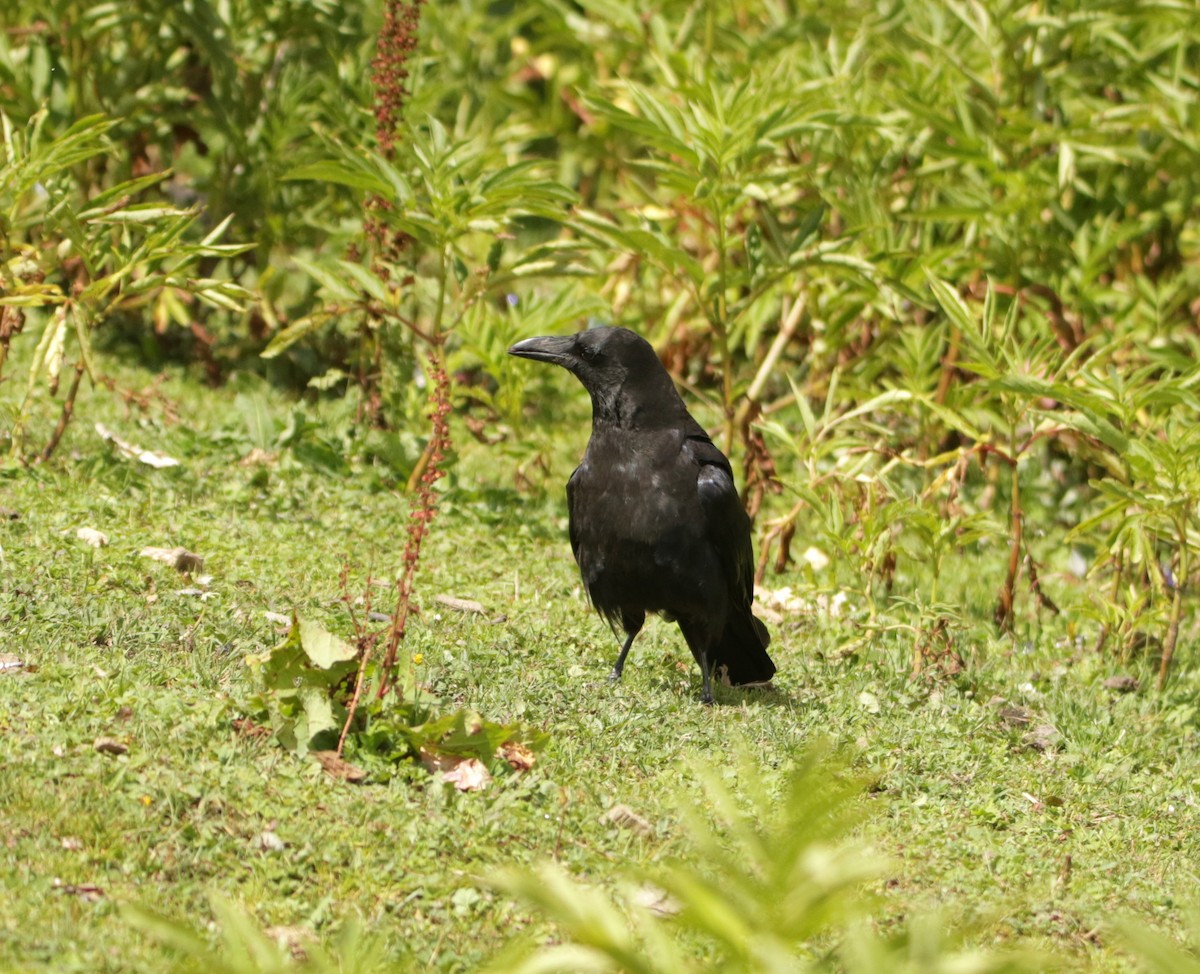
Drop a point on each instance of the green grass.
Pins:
(976, 824)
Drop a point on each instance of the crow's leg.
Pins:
(706, 696)
(632, 625)
(696, 634)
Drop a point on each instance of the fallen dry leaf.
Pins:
(10, 663)
(268, 841)
(1044, 737)
(470, 774)
(1123, 683)
(335, 767)
(110, 745)
(248, 728)
(461, 605)
(1015, 716)
(816, 559)
(292, 939)
(437, 762)
(624, 817)
(85, 891)
(97, 539)
(257, 456)
(180, 559)
(199, 593)
(466, 774)
(518, 756)
(657, 901)
(151, 458)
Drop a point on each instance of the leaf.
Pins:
(642, 243)
(336, 286)
(334, 171)
(300, 679)
(322, 647)
(1096, 427)
(368, 281)
(335, 767)
(952, 304)
(260, 427)
(295, 331)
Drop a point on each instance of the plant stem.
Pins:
(720, 324)
(1004, 610)
(68, 410)
(1176, 602)
(786, 330)
(1114, 594)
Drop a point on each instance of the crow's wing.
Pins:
(572, 513)
(728, 527)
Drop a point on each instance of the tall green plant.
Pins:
(86, 258)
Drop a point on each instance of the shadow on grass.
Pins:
(768, 696)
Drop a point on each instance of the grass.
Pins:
(1021, 845)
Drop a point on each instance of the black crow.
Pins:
(656, 524)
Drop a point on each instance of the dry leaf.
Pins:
(335, 767)
(518, 756)
(180, 559)
(196, 593)
(85, 891)
(248, 728)
(436, 762)
(294, 940)
(657, 901)
(624, 817)
(1015, 716)
(781, 600)
(257, 456)
(1044, 737)
(97, 539)
(270, 842)
(110, 745)
(1123, 683)
(10, 663)
(461, 605)
(470, 774)
(816, 559)
(151, 458)
(466, 774)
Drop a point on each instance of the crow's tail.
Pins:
(740, 656)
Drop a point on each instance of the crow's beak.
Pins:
(559, 350)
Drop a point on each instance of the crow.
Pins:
(655, 520)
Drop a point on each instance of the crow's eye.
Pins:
(589, 352)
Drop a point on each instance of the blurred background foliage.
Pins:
(929, 269)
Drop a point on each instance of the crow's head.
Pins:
(617, 367)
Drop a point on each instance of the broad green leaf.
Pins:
(322, 647)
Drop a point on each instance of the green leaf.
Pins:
(368, 281)
(336, 171)
(322, 647)
(336, 286)
(259, 424)
(952, 304)
(296, 331)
